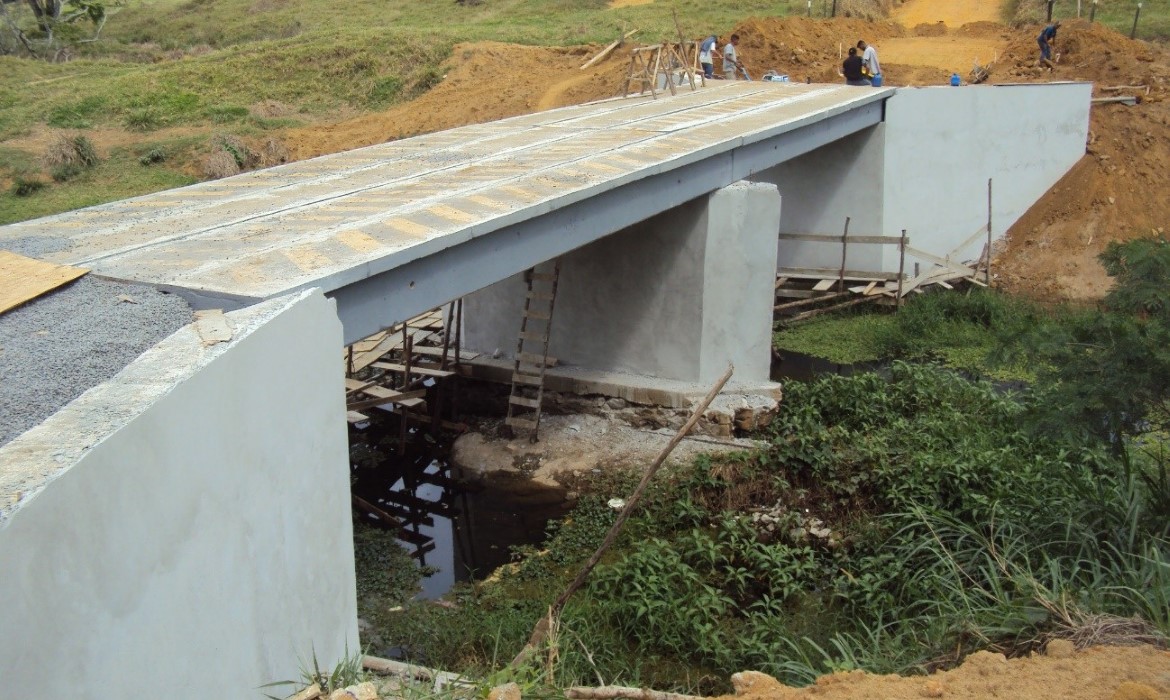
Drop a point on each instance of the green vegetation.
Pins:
(893, 522)
(1118, 14)
(117, 177)
(963, 331)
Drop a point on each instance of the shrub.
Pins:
(24, 187)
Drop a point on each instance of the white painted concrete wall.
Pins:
(822, 188)
(184, 529)
(943, 143)
(677, 297)
(926, 170)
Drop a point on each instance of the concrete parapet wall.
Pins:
(183, 529)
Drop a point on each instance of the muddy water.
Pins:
(800, 367)
(459, 529)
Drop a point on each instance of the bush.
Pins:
(24, 187)
(153, 156)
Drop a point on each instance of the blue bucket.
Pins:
(877, 80)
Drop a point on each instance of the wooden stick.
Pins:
(615, 692)
(609, 49)
(397, 668)
(540, 631)
(844, 242)
(901, 266)
(682, 47)
(987, 268)
(810, 300)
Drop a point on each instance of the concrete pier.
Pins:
(678, 296)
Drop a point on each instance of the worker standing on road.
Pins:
(707, 56)
(1046, 39)
(852, 69)
(730, 58)
(869, 61)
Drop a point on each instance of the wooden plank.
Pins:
(24, 279)
(609, 49)
(353, 386)
(438, 352)
(414, 369)
(374, 510)
(812, 300)
(938, 260)
(827, 309)
(355, 417)
(820, 273)
(518, 378)
(970, 239)
(824, 285)
(1122, 99)
(837, 238)
(405, 398)
(521, 401)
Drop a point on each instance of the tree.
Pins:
(49, 17)
(1107, 371)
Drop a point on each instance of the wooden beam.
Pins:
(833, 273)
(838, 238)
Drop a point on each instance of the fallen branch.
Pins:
(614, 692)
(540, 631)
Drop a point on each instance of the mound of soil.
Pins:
(806, 48)
(1117, 191)
(1097, 673)
(930, 29)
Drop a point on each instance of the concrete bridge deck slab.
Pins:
(335, 221)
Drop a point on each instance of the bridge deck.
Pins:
(338, 219)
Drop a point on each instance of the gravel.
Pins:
(54, 348)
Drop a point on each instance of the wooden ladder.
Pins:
(532, 348)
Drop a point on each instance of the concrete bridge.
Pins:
(194, 500)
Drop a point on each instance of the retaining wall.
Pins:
(184, 528)
(925, 169)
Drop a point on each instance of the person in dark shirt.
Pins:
(1047, 37)
(852, 69)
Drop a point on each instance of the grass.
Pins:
(959, 330)
(118, 177)
(1119, 14)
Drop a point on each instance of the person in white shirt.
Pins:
(869, 60)
(730, 58)
(707, 56)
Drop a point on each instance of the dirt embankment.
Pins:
(1117, 192)
(1097, 673)
(485, 81)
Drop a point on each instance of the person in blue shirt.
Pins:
(1046, 38)
(706, 56)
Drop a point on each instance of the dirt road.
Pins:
(953, 13)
